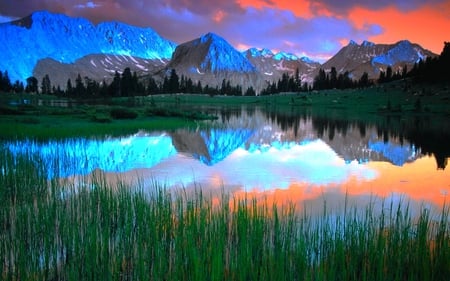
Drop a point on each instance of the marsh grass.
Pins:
(51, 230)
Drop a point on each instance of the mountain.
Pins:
(272, 66)
(99, 67)
(210, 53)
(63, 47)
(210, 59)
(45, 35)
(373, 58)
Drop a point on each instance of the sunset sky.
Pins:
(314, 28)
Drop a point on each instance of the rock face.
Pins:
(99, 67)
(63, 47)
(272, 66)
(44, 35)
(210, 59)
(373, 58)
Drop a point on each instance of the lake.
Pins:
(280, 157)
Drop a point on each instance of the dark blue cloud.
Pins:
(342, 7)
(183, 20)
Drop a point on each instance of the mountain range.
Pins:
(63, 47)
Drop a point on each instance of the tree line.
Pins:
(127, 83)
(123, 84)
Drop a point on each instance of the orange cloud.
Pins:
(419, 180)
(427, 26)
(300, 8)
(218, 16)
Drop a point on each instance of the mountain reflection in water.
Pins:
(251, 152)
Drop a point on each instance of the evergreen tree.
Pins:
(5, 83)
(250, 91)
(126, 83)
(18, 87)
(364, 80)
(46, 86)
(388, 73)
(174, 83)
(320, 81)
(69, 88)
(189, 86)
(333, 79)
(382, 77)
(114, 87)
(32, 85)
(79, 90)
(152, 88)
(199, 87)
(92, 87)
(297, 80)
(404, 71)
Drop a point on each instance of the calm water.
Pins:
(281, 157)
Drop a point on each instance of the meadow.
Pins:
(40, 116)
(51, 229)
(90, 230)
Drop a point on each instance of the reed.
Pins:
(55, 231)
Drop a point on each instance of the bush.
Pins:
(123, 113)
(6, 110)
(101, 118)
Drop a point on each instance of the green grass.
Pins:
(389, 103)
(58, 231)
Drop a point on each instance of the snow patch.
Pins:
(141, 67)
(134, 60)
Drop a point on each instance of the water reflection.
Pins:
(252, 150)
(82, 156)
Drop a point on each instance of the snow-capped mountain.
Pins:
(98, 67)
(373, 58)
(210, 53)
(210, 59)
(63, 47)
(45, 35)
(272, 66)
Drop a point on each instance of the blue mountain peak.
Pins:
(366, 43)
(285, 56)
(221, 56)
(255, 52)
(403, 51)
(210, 37)
(67, 39)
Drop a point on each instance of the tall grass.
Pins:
(54, 231)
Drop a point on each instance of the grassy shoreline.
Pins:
(57, 231)
(27, 115)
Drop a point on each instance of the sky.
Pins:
(314, 28)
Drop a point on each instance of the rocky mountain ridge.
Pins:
(62, 47)
(45, 35)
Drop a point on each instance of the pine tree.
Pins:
(364, 80)
(250, 91)
(382, 77)
(152, 88)
(114, 88)
(79, 86)
(69, 88)
(297, 80)
(46, 86)
(333, 78)
(173, 83)
(32, 85)
(5, 83)
(126, 82)
(388, 74)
